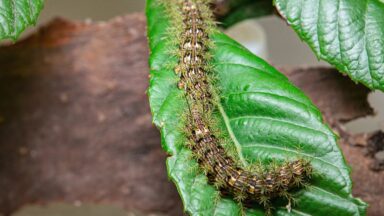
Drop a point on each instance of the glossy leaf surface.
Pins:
(348, 34)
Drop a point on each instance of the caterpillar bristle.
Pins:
(194, 169)
(240, 196)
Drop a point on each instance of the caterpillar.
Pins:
(246, 185)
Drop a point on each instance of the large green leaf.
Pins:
(264, 114)
(349, 34)
(16, 15)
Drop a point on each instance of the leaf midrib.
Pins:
(232, 134)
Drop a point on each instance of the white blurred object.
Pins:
(370, 123)
(251, 35)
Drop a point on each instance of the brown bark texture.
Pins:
(75, 123)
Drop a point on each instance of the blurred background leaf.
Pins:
(17, 15)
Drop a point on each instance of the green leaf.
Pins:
(349, 34)
(239, 10)
(16, 15)
(266, 116)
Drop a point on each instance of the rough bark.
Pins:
(75, 123)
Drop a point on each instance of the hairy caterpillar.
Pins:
(196, 79)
